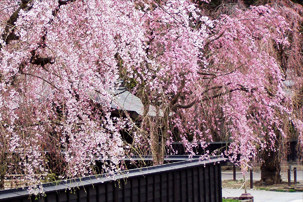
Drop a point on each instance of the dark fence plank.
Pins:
(196, 184)
(170, 187)
(187, 181)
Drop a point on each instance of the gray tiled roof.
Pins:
(124, 100)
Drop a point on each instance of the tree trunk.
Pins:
(271, 165)
(270, 168)
(1, 181)
(3, 169)
(155, 148)
(159, 135)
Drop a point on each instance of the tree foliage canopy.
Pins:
(210, 74)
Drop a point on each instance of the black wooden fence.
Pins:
(220, 147)
(185, 181)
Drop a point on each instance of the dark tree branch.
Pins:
(207, 74)
(42, 61)
(186, 106)
(214, 88)
(39, 77)
(37, 60)
(213, 75)
(176, 97)
(9, 30)
(214, 38)
(241, 88)
(64, 2)
(61, 3)
(183, 106)
(220, 94)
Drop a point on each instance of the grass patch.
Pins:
(285, 190)
(278, 190)
(263, 188)
(230, 200)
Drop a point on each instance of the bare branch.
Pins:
(176, 97)
(9, 34)
(241, 88)
(184, 106)
(39, 77)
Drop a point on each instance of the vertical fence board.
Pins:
(195, 185)
(183, 180)
(163, 187)
(119, 191)
(149, 188)
(72, 196)
(201, 184)
(189, 181)
(216, 175)
(116, 191)
(109, 192)
(51, 196)
(61, 196)
(135, 189)
(157, 187)
(206, 184)
(219, 183)
(143, 189)
(41, 199)
(127, 193)
(102, 192)
(212, 183)
(82, 194)
(170, 188)
(177, 186)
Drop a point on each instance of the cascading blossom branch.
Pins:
(168, 76)
(245, 55)
(58, 68)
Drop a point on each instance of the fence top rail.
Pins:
(221, 142)
(166, 158)
(85, 181)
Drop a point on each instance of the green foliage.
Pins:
(263, 188)
(297, 1)
(131, 83)
(229, 200)
(250, 2)
(51, 177)
(215, 3)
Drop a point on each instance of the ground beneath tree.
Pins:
(283, 187)
(227, 182)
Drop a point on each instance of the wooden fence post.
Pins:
(234, 173)
(251, 179)
(295, 175)
(289, 176)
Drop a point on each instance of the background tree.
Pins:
(236, 76)
(289, 59)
